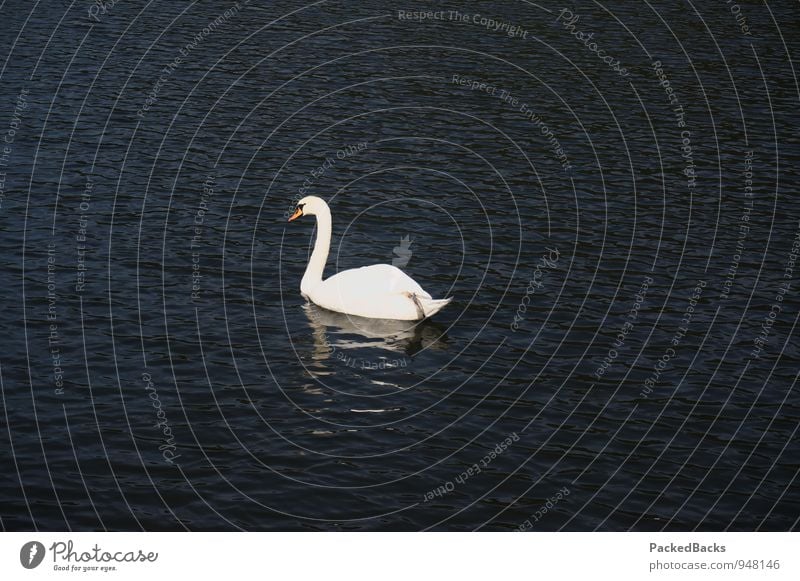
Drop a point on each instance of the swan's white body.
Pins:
(379, 291)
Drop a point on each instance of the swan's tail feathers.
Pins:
(430, 307)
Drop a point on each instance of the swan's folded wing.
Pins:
(376, 279)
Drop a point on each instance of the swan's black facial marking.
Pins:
(297, 213)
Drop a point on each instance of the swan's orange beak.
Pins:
(297, 213)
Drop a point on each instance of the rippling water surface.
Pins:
(619, 235)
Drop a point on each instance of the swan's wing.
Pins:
(375, 279)
(379, 291)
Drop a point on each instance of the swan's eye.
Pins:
(300, 206)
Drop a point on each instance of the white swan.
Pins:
(379, 291)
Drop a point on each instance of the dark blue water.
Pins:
(609, 191)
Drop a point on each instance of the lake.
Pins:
(607, 191)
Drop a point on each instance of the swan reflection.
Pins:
(358, 341)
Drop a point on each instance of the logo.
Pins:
(403, 252)
(31, 554)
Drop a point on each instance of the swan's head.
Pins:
(309, 206)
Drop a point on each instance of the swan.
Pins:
(378, 291)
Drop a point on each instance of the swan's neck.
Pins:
(316, 265)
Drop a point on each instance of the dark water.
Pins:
(621, 353)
